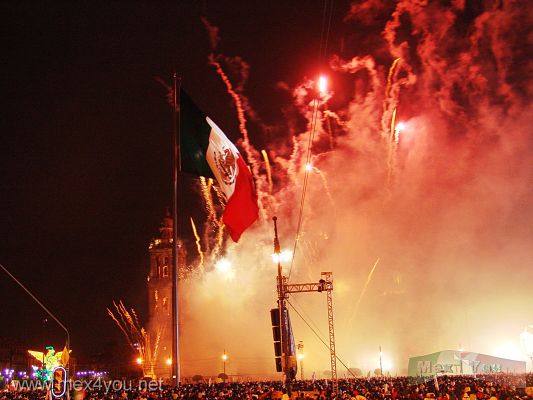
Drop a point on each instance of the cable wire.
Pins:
(304, 186)
(323, 45)
(319, 338)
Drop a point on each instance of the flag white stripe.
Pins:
(217, 154)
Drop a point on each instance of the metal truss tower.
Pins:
(325, 284)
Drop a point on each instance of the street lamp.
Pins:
(300, 356)
(42, 306)
(224, 359)
(139, 360)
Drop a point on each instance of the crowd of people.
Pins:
(492, 387)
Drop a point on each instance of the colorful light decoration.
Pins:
(91, 374)
(50, 361)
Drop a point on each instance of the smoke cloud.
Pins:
(445, 203)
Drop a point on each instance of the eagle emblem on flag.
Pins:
(226, 164)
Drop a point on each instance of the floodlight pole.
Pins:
(282, 313)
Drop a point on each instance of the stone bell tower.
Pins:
(160, 297)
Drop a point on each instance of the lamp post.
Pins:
(224, 359)
(300, 357)
(42, 306)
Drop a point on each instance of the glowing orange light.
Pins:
(168, 361)
(224, 357)
(300, 356)
(308, 167)
(139, 360)
(322, 84)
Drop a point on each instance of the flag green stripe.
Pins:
(194, 138)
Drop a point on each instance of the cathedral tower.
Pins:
(160, 297)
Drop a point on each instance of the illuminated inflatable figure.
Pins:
(50, 360)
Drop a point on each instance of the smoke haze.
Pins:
(446, 205)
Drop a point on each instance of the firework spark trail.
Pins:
(121, 311)
(325, 185)
(330, 133)
(134, 334)
(329, 115)
(333, 115)
(220, 195)
(248, 148)
(211, 222)
(198, 246)
(363, 291)
(219, 238)
(294, 160)
(388, 118)
(390, 102)
(110, 313)
(393, 145)
(390, 76)
(155, 353)
(268, 171)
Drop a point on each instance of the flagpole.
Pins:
(176, 167)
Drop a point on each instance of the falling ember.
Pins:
(198, 246)
(268, 171)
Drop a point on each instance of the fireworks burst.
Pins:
(362, 164)
(136, 336)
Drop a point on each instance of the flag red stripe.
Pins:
(241, 210)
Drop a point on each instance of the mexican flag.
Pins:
(206, 151)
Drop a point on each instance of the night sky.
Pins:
(85, 170)
(85, 165)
